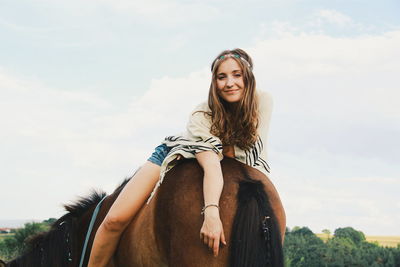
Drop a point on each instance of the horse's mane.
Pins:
(80, 206)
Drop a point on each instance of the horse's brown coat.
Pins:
(166, 232)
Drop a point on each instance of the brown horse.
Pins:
(166, 231)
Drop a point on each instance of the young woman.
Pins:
(234, 123)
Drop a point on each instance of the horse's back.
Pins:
(179, 223)
(166, 232)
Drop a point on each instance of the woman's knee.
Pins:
(114, 223)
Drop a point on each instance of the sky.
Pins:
(89, 88)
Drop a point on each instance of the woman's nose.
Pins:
(230, 82)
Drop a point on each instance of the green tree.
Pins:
(342, 252)
(351, 233)
(303, 248)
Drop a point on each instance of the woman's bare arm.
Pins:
(211, 232)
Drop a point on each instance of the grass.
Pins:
(385, 241)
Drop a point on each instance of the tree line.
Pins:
(347, 247)
(302, 248)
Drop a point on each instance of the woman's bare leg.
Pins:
(129, 201)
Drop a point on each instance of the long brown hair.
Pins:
(235, 124)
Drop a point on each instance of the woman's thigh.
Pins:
(139, 187)
(135, 192)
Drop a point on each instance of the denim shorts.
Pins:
(159, 154)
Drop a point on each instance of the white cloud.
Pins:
(152, 11)
(297, 55)
(334, 17)
(169, 12)
(328, 190)
(154, 8)
(82, 137)
(391, 181)
(24, 28)
(328, 79)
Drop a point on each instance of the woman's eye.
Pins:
(221, 77)
(238, 75)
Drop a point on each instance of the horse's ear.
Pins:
(2, 263)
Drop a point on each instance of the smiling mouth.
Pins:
(231, 90)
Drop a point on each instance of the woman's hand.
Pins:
(212, 232)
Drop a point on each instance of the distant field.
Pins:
(390, 241)
(386, 241)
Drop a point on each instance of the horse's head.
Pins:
(60, 246)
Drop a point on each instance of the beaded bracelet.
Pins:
(210, 205)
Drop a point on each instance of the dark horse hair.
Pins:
(46, 249)
(256, 239)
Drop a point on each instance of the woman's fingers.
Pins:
(210, 242)
(205, 240)
(223, 237)
(212, 234)
(216, 246)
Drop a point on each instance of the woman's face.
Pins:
(230, 84)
